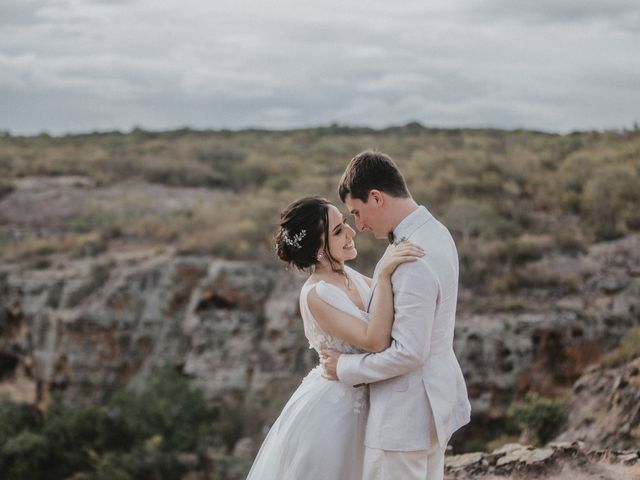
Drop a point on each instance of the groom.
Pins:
(418, 396)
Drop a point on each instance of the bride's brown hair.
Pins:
(304, 228)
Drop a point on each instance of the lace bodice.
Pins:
(331, 294)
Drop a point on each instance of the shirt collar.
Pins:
(410, 224)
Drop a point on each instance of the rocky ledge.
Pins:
(555, 461)
(605, 407)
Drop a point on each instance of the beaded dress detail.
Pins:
(320, 433)
(331, 294)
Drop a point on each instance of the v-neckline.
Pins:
(356, 282)
(358, 290)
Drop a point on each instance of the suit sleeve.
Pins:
(415, 292)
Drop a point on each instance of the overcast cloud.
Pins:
(83, 65)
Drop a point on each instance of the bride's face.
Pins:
(341, 236)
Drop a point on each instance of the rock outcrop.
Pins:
(605, 408)
(231, 326)
(546, 348)
(234, 328)
(555, 461)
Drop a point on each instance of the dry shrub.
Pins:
(628, 349)
(185, 173)
(6, 187)
(609, 199)
(77, 245)
(534, 277)
(526, 248)
(231, 240)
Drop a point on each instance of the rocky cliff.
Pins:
(604, 410)
(605, 407)
(234, 328)
(548, 346)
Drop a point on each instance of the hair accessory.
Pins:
(295, 241)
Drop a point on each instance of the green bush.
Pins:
(26, 456)
(136, 435)
(541, 416)
(72, 433)
(167, 406)
(15, 418)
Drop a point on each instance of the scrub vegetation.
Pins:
(509, 197)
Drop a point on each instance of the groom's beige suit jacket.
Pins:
(416, 384)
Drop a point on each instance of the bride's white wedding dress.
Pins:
(320, 433)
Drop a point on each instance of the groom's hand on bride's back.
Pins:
(329, 362)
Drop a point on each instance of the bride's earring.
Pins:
(320, 256)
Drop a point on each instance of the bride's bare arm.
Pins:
(374, 336)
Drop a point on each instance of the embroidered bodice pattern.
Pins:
(319, 339)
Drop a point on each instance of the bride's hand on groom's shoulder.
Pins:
(404, 252)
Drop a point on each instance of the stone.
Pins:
(539, 455)
(558, 461)
(513, 456)
(604, 410)
(629, 458)
(509, 448)
(614, 281)
(463, 461)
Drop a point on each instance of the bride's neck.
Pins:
(325, 268)
(328, 272)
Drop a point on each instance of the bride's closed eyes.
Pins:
(338, 229)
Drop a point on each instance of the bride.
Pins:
(320, 433)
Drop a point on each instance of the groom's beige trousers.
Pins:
(390, 465)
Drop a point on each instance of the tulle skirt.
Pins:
(318, 436)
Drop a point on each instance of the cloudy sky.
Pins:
(83, 65)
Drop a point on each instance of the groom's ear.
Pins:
(377, 197)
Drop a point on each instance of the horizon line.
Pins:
(6, 132)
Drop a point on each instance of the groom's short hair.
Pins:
(371, 170)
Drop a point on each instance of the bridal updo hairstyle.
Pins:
(308, 214)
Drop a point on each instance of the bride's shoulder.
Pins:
(311, 282)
